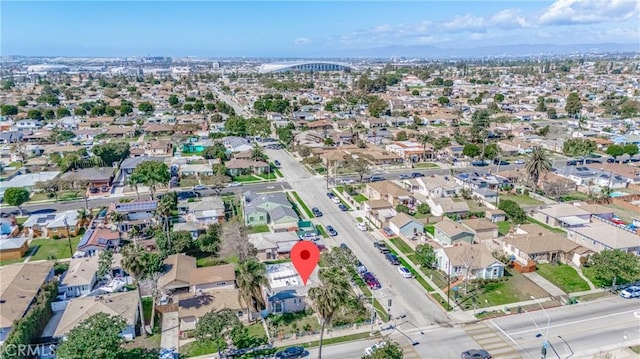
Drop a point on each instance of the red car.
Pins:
(617, 221)
(371, 281)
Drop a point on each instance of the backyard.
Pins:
(522, 200)
(503, 228)
(45, 248)
(563, 276)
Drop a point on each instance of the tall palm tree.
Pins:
(257, 154)
(166, 206)
(133, 261)
(333, 293)
(116, 217)
(84, 217)
(132, 181)
(538, 164)
(251, 277)
(424, 140)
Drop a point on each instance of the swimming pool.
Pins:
(617, 194)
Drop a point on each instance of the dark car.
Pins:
(405, 176)
(343, 208)
(417, 174)
(475, 354)
(371, 280)
(376, 179)
(93, 190)
(277, 163)
(332, 231)
(316, 212)
(479, 163)
(187, 195)
(381, 247)
(500, 162)
(291, 352)
(330, 195)
(393, 259)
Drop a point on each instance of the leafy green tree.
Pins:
(126, 109)
(187, 107)
(98, 336)
(470, 150)
(35, 114)
(152, 174)
(513, 211)
(614, 263)
(578, 147)
(112, 152)
(423, 208)
(415, 92)
(236, 126)
(401, 208)
(402, 136)
(209, 242)
(216, 151)
(390, 350)
(23, 103)
(425, 255)
(333, 293)
(16, 196)
(491, 151)
(63, 112)
(480, 121)
(217, 328)
(173, 100)
(79, 111)
(573, 105)
(541, 107)
(105, 260)
(110, 111)
(443, 100)
(133, 262)
(538, 164)
(257, 153)
(630, 149)
(251, 278)
(498, 97)
(9, 110)
(49, 114)
(146, 107)
(258, 127)
(615, 150)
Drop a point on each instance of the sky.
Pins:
(302, 28)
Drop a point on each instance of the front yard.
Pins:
(261, 228)
(503, 228)
(522, 200)
(425, 165)
(563, 276)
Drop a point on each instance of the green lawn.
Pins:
(401, 245)
(588, 272)
(261, 228)
(10, 261)
(360, 198)
(147, 302)
(46, 248)
(302, 204)
(346, 338)
(522, 200)
(425, 165)
(268, 176)
(430, 229)
(564, 276)
(245, 179)
(197, 348)
(503, 228)
(322, 231)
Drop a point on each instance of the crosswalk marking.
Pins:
(491, 341)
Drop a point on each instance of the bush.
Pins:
(513, 211)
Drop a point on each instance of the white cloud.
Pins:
(568, 12)
(301, 41)
(509, 19)
(465, 23)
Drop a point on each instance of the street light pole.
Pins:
(546, 337)
(66, 224)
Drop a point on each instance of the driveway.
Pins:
(543, 283)
(170, 330)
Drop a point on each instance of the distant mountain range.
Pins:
(432, 52)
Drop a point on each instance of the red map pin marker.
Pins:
(305, 256)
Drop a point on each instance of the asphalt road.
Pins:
(408, 297)
(231, 102)
(105, 201)
(587, 328)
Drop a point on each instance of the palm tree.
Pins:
(257, 154)
(538, 164)
(333, 293)
(84, 217)
(132, 181)
(133, 261)
(117, 217)
(167, 205)
(424, 140)
(251, 277)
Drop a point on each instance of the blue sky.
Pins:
(302, 28)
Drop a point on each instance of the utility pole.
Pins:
(66, 224)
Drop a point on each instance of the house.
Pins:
(208, 210)
(95, 177)
(129, 164)
(29, 124)
(237, 167)
(469, 261)
(533, 243)
(196, 170)
(13, 247)
(80, 278)
(406, 226)
(138, 213)
(21, 283)
(481, 228)
(449, 232)
(236, 144)
(601, 234)
(495, 215)
(54, 225)
(123, 304)
(98, 239)
(411, 151)
(562, 215)
(182, 275)
(447, 206)
(286, 293)
(194, 228)
(192, 307)
(436, 186)
(390, 192)
(273, 245)
(27, 181)
(379, 212)
(273, 209)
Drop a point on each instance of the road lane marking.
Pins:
(503, 332)
(571, 323)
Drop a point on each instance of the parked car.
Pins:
(343, 208)
(361, 226)
(475, 354)
(335, 200)
(331, 231)
(617, 221)
(630, 292)
(316, 212)
(347, 181)
(308, 237)
(371, 280)
(94, 190)
(479, 163)
(519, 162)
(392, 258)
(188, 194)
(199, 187)
(235, 184)
(104, 189)
(405, 272)
(373, 348)
(405, 176)
(500, 162)
(417, 174)
(360, 268)
(277, 163)
(376, 179)
(344, 246)
(330, 195)
(381, 247)
(291, 352)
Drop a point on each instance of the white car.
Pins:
(335, 200)
(199, 187)
(405, 272)
(235, 184)
(519, 162)
(361, 226)
(630, 292)
(374, 347)
(347, 181)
